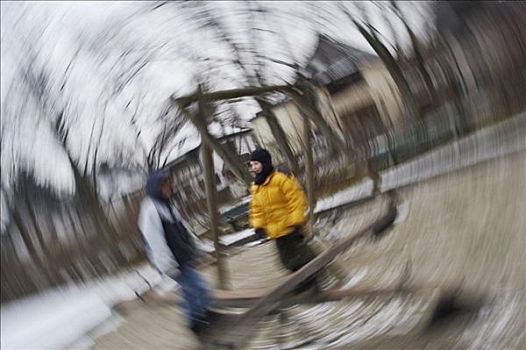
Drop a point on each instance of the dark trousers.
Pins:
(294, 253)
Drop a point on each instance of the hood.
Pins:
(154, 182)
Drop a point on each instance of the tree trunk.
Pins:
(309, 173)
(420, 63)
(391, 65)
(36, 226)
(26, 237)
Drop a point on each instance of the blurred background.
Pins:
(426, 99)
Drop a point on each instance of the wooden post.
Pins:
(336, 267)
(211, 201)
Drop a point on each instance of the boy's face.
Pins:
(166, 189)
(255, 167)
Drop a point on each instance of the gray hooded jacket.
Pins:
(159, 220)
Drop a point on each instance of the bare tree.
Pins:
(417, 52)
(370, 34)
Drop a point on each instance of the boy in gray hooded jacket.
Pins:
(172, 249)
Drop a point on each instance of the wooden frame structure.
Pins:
(302, 96)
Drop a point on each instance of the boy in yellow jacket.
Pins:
(278, 211)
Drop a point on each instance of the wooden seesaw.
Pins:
(232, 331)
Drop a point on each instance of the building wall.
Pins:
(384, 93)
(291, 121)
(352, 98)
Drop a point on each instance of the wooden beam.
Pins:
(230, 94)
(214, 337)
(247, 299)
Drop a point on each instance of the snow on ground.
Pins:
(58, 318)
(52, 320)
(359, 191)
(244, 200)
(205, 245)
(226, 240)
(237, 236)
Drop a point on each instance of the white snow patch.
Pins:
(361, 190)
(244, 200)
(60, 317)
(237, 236)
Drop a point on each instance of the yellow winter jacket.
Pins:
(278, 205)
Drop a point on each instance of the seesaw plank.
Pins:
(241, 299)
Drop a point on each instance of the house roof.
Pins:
(333, 60)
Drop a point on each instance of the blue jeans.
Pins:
(195, 294)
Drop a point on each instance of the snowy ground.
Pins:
(61, 318)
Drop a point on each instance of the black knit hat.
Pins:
(261, 155)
